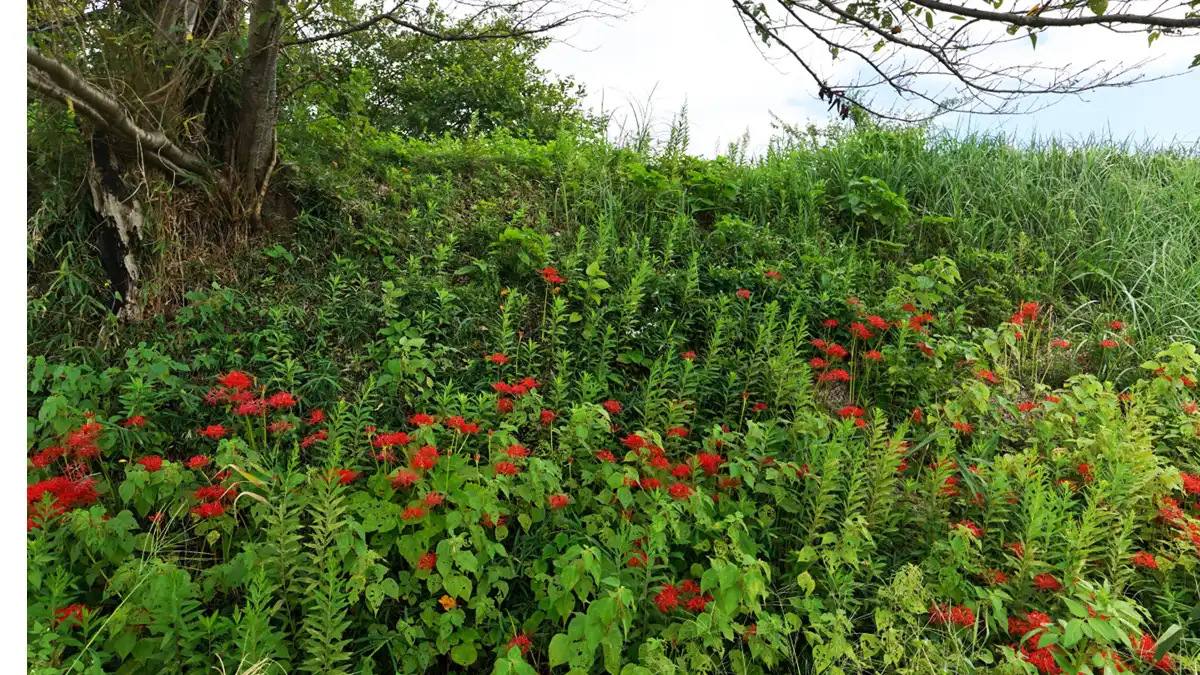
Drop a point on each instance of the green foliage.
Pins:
(831, 524)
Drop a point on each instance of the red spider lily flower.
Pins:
(916, 415)
(135, 421)
(860, 331)
(427, 561)
(853, 301)
(835, 375)
(500, 521)
(925, 349)
(743, 294)
(316, 417)
(504, 405)
(251, 407)
(209, 510)
(390, 439)
(517, 451)
(1144, 559)
(235, 379)
(709, 462)
(433, 499)
(860, 423)
(426, 458)
(949, 486)
(404, 478)
(558, 501)
(1085, 472)
(1189, 407)
(638, 559)
(758, 407)
(47, 457)
(613, 407)
(521, 641)
(963, 428)
(346, 476)
(650, 484)
(507, 469)
(1060, 343)
(1191, 484)
(1124, 397)
(421, 420)
(944, 614)
(1106, 343)
(817, 363)
(1032, 621)
(677, 432)
(667, 598)
(995, 577)
(659, 462)
(878, 322)
(688, 355)
(1116, 325)
(772, 274)
(633, 441)
(152, 463)
(155, 517)
(547, 417)
(529, 383)
(830, 323)
(698, 603)
(836, 352)
(73, 613)
(679, 492)
(1017, 548)
(606, 456)
(502, 387)
(1187, 382)
(1045, 582)
(970, 527)
(280, 426)
(851, 411)
(85, 435)
(413, 513)
(1026, 406)
(988, 376)
(312, 439)
(551, 275)
(819, 344)
(682, 471)
(518, 390)
(873, 355)
(1147, 646)
(1170, 511)
(210, 492)
(1041, 658)
(281, 400)
(497, 358)
(727, 482)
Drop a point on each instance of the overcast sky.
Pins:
(697, 50)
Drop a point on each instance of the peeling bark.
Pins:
(121, 221)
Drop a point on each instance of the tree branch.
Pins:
(393, 17)
(1040, 20)
(105, 110)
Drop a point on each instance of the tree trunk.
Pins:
(120, 229)
(254, 146)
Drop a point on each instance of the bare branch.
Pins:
(1042, 20)
(102, 108)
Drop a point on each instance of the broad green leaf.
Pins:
(1098, 6)
(1167, 641)
(559, 649)
(464, 654)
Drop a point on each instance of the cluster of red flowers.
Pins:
(425, 459)
(497, 358)
(521, 641)
(1147, 646)
(772, 274)
(743, 294)
(613, 407)
(987, 376)
(345, 476)
(551, 276)
(427, 561)
(67, 493)
(460, 425)
(669, 597)
(558, 501)
(945, 614)
(963, 428)
(1046, 582)
(1144, 559)
(970, 527)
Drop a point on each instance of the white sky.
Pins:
(698, 51)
